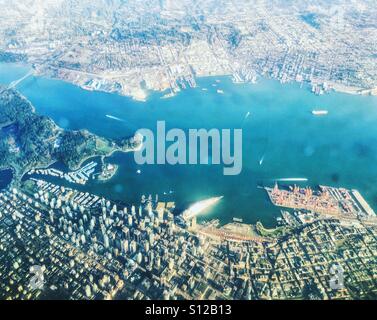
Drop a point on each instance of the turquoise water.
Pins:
(339, 149)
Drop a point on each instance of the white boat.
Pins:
(320, 112)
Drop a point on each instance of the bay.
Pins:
(281, 139)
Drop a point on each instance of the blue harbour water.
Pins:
(5, 178)
(339, 149)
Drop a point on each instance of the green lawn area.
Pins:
(272, 233)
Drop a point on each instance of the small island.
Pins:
(108, 171)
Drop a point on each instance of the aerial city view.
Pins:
(188, 150)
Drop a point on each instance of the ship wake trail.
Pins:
(261, 160)
(248, 114)
(291, 179)
(198, 207)
(114, 118)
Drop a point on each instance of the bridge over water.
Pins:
(15, 83)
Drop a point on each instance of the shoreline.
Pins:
(145, 96)
(334, 86)
(75, 168)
